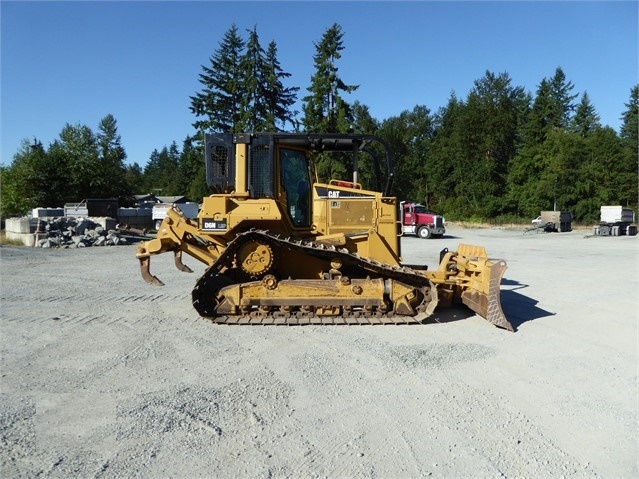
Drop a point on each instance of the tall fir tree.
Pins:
(630, 121)
(325, 110)
(111, 156)
(278, 98)
(586, 119)
(562, 100)
(629, 135)
(252, 109)
(219, 101)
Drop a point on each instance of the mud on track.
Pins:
(103, 375)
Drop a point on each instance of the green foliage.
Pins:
(222, 90)
(586, 119)
(629, 163)
(192, 171)
(160, 172)
(277, 98)
(111, 155)
(31, 180)
(242, 88)
(324, 109)
(79, 164)
(500, 153)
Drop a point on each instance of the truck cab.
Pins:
(417, 220)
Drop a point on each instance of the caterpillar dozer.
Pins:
(283, 248)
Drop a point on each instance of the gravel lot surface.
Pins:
(105, 376)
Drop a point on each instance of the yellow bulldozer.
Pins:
(283, 248)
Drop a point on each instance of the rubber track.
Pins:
(327, 252)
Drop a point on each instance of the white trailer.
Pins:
(190, 210)
(615, 221)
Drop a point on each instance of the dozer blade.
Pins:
(486, 301)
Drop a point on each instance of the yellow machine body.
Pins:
(282, 247)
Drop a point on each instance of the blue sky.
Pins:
(76, 62)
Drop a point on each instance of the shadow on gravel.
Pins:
(518, 307)
(455, 312)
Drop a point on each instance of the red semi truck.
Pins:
(417, 220)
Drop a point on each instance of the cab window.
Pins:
(296, 183)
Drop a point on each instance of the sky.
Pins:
(76, 62)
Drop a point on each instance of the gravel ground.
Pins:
(106, 376)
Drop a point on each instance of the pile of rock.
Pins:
(68, 232)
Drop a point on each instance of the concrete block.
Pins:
(27, 239)
(47, 212)
(20, 225)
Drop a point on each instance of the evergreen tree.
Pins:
(325, 111)
(278, 99)
(160, 176)
(630, 143)
(243, 89)
(192, 170)
(444, 159)
(253, 108)
(372, 170)
(485, 135)
(219, 101)
(134, 179)
(537, 179)
(561, 157)
(586, 119)
(363, 122)
(562, 100)
(111, 156)
(630, 126)
(409, 135)
(600, 177)
(540, 120)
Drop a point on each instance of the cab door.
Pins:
(296, 185)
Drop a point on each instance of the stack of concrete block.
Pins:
(64, 232)
(21, 229)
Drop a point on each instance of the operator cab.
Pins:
(280, 166)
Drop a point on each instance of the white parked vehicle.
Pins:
(190, 210)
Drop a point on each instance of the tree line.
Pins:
(501, 153)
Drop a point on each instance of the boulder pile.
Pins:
(69, 232)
